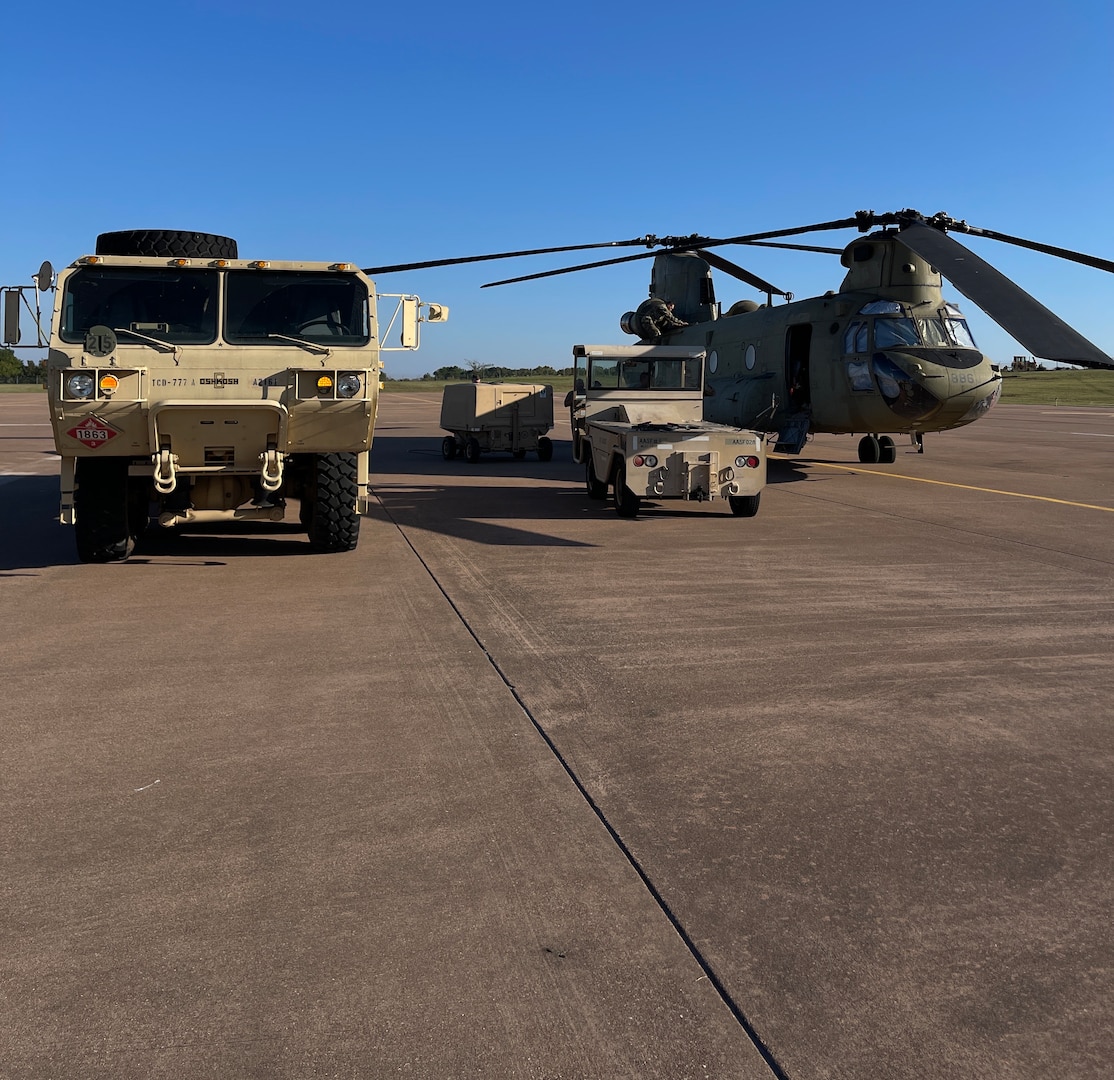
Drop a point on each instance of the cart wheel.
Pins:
(545, 448)
(744, 505)
(627, 503)
(448, 448)
(471, 451)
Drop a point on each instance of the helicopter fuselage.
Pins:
(886, 353)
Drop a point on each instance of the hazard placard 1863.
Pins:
(93, 433)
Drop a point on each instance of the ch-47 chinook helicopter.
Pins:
(885, 354)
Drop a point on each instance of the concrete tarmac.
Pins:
(523, 789)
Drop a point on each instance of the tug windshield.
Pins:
(650, 374)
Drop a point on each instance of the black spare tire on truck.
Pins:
(166, 243)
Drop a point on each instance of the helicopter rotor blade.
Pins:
(570, 269)
(862, 221)
(738, 272)
(1033, 245)
(794, 247)
(1027, 320)
(397, 267)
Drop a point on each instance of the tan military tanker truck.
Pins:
(188, 385)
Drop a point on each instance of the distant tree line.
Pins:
(12, 369)
(488, 372)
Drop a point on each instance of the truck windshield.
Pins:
(325, 307)
(177, 306)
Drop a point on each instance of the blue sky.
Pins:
(394, 133)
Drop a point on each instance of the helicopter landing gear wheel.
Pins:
(870, 450)
(887, 450)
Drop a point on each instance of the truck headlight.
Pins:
(80, 385)
(348, 386)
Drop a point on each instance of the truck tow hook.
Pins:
(166, 471)
(270, 478)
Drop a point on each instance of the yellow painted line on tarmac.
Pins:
(963, 487)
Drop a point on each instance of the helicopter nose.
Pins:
(907, 388)
(946, 387)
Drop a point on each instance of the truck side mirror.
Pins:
(410, 306)
(11, 316)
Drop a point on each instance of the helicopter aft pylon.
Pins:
(886, 353)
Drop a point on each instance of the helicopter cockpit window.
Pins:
(854, 341)
(961, 333)
(933, 332)
(957, 325)
(881, 307)
(179, 307)
(892, 333)
(331, 308)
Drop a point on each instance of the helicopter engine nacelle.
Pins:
(685, 279)
(627, 323)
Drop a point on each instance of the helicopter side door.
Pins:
(798, 343)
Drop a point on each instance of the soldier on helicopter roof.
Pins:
(655, 317)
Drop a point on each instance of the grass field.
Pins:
(1058, 388)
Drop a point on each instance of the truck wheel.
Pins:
(744, 505)
(333, 523)
(139, 506)
(166, 243)
(101, 510)
(545, 448)
(597, 489)
(518, 454)
(471, 451)
(627, 504)
(448, 448)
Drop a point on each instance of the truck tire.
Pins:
(101, 510)
(627, 504)
(139, 505)
(744, 505)
(448, 448)
(545, 448)
(597, 489)
(166, 243)
(333, 524)
(472, 451)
